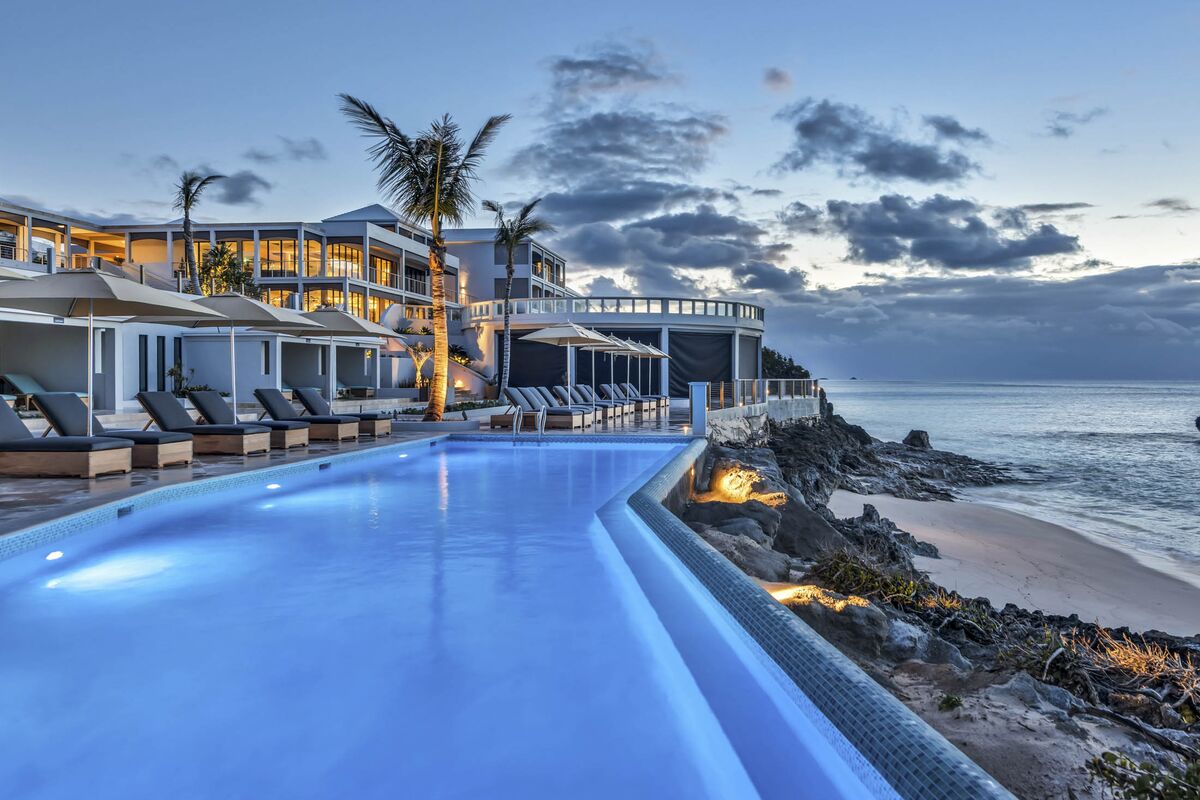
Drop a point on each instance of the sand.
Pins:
(1012, 558)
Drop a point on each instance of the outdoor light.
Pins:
(52, 584)
(54, 556)
(404, 455)
(273, 486)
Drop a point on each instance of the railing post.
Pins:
(698, 399)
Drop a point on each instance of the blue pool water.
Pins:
(444, 622)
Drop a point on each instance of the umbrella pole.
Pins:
(593, 384)
(91, 368)
(233, 374)
(329, 369)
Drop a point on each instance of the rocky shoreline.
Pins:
(1117, 706)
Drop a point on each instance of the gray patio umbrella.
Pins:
(610, 345)
(651, 353)
(332, 321)
(87, 293)
(568, 335)
(9, 274)
(237, 311)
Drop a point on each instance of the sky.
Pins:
(917, 190)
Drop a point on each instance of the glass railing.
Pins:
(493, 309)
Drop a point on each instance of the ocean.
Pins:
(1118, 462)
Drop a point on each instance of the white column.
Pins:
(664, 377)
(257, 257)
(67, 247)
(734, 365)
(128, 248)
(299, 251)
(28, 238)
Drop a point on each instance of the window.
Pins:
(322, 360)
(537, 263)
(343, 261)
(277, 258)
(374, 308)
(143, 363)
(178, 360)
(357, 304)
(266, 358)
(322, 297)
(160, 352)
(312, 257)
(385, 272)
(283, 298)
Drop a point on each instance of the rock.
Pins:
(744, 526)
(805, 533)
(851, 623)
(748, 556)
(716, 513)
(907, 641)
(918, 439)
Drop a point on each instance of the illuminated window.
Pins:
(277, 258)
(343, 261)
(313, 298)
(312, 257)
(283, 298)
(357, 304)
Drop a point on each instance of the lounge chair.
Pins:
(663, 402)
(604, 409)
(370, 423)
(518, 408)
(614, 392)
(585, 391)
(331, 428)
(168, 414)
(216, 411)
(24, 456)
(556, 416)
(362, 392)
(553, 402)
(67, 415)
(26, 386)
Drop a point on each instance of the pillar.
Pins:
(664, 376)
(257, 257)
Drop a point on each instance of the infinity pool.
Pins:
(449, 621)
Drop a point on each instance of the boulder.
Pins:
(849, 623)
(918, 439)
(906, 641)
(716, 513)
(748, 556)
(805, 533)
(744, 526)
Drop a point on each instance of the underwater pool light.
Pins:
(54, 555)
(273, 486)
(404, 455)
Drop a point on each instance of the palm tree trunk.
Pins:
(441, 344)
(189, 252)
(508, 279)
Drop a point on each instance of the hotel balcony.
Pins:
(624, 310)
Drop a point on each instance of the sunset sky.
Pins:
(925, 189)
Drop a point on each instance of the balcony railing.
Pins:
(11, 252)
(749, 391)
(494, 309)
(425, 313)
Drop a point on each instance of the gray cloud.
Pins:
(241, 188)
(800, 218)
(607, 201)
(1172, 205)
(307, 149)
(948, 127)
(764, 276)
(859, 145)
(608, 67)
(776, 79)
(1063, 124)
(944, 232)
(1136, 323)
(1053, 208)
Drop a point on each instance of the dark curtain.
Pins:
(533, 363)
(650, 369)
(699, 357)
(748, 356)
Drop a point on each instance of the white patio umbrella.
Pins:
(87, 293)
(332, 321)
(237, 311)
(608, 346)
(10, 274)
(568, 335)
(650, 354)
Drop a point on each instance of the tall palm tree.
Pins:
(187, 194)
(427, 178)
(509, 235)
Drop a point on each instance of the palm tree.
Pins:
(509, 235)
(187, 194)
(428, 179)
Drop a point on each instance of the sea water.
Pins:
(1119, 462)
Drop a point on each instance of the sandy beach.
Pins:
(1009, 557)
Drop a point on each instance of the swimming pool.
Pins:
(449, 621)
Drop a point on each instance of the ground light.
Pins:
(274, 486)
(54, 556)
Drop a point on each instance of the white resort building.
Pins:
(371, 263)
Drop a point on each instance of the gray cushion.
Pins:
(244, 429)
(312, 400)
(11, 426)
(166, 411)
(276, 404)
(151, 437)
(64, 444)
(213, 408)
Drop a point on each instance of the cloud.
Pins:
(799, 218)
(240, 188)
(1172, 205)
(944, 232)
(1053, 208)
(766, 192)
(764, 276)
(307, 149)
(860, 146)
(1063, 124)
(607, 201)
(608, 67)
(776, 79)
(1130, 323)
(947, 127)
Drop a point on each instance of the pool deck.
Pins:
(30, 501)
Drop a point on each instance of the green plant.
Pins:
(223, 270)
(187, 193)
(949, 702)
(425, 331)
(510, 233)
(1129, 780)
(459, 355)
(429, 178)
(466, 405)
(776, 365)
